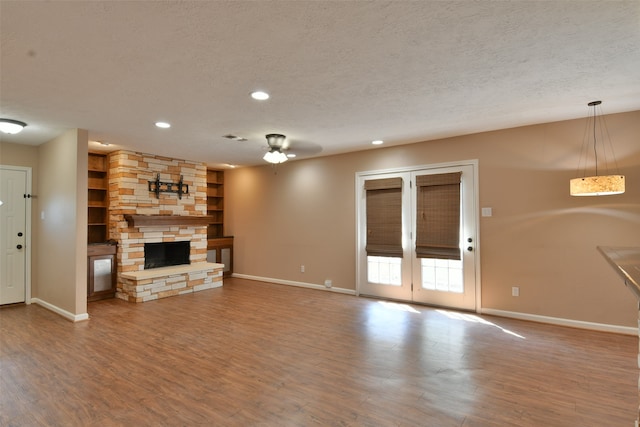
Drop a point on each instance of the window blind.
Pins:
(384, 217)
(438, 216)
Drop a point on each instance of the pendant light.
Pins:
(596, 185)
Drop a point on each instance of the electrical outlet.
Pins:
(328, 283)
(515, 291)
(302, 269)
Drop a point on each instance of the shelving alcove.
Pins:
(101, 253)
(219, 246)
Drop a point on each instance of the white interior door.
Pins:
(13, 232)
(442, 282)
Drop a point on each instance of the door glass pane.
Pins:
(442, 275)
(101, 274)
(384, 270)
(211, 255)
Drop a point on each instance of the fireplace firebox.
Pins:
(165, 254)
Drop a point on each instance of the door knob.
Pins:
(20, 234)
(19, 246)
(469, 240)
(470, 248)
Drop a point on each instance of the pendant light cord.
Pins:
(595, 151)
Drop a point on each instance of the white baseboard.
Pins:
(64, 313)
(626, 330)
(294, 283)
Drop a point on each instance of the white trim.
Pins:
(64, 313)
(473, 162)
(27, 230)
(294, 283)
(603, 327)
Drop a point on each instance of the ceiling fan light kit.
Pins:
(275, 155)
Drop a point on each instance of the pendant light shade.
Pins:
(11, 126)
(275, 156)
(596, 185)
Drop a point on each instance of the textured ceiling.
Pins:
(340, 74)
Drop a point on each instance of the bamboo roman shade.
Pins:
(438, 216)
(384, 217)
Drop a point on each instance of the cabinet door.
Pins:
(102, 277)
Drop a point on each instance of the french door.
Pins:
(403, 269)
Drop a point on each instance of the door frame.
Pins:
(360, 233)
(27, 220)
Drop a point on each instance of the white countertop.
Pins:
(626, 261)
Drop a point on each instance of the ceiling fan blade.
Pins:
(302, 148)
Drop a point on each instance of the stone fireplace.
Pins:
(139, 217)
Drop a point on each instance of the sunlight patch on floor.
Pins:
(398, 306)
(476, 319)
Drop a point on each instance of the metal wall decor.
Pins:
(158, 187)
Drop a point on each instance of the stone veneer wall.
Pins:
(129, 176)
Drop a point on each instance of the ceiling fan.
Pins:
(281, 148)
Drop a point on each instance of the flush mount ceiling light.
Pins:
(596, 185)
(275, 155)
(11, 126)
(163, 125)
(260, 95)
(377, 142)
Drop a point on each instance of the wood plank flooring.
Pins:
(257, 354)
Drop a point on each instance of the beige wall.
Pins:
(539, 238)
(62, 234)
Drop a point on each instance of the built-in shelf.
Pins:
(219, 246)
(97, 198)
(162, 220)
(215, 203)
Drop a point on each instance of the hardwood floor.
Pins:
(256, 354)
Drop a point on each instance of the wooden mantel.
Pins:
(166, 220)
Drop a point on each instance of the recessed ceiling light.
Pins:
(163, 125)
(377, 142)
(291, 155)
(260, 95)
